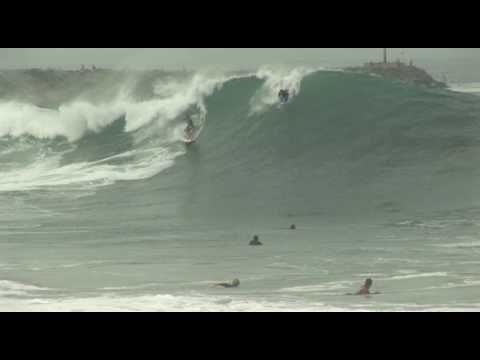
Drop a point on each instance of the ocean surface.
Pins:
(103, 207)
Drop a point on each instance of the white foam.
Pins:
(79, 117)
(470, 244)
(47, 173)
(198, 303)
(71, 121)
(338, 285)
(470, 88)
(161, 303)
(414, 276)
(19, 297)
(464, 284)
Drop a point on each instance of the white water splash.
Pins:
(276, 80)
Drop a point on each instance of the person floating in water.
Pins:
(234, 284)
(255, 241)
(284, 96)
(365, 289)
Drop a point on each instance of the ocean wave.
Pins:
(342, 141)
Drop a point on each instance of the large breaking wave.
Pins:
(344, 143)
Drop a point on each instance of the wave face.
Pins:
(345, 143)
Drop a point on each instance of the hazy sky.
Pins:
(225, 58)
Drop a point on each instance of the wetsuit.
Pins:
(284, 96)
(190, 127)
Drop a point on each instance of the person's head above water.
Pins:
(255, 241)
(365, 290)
(368, 283)
(293, 227)
(236, 282)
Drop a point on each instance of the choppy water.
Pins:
(103, 207)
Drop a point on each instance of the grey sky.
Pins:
(218, 57)
(461, 64)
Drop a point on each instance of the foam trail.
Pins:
(48, 173)
(469, 88)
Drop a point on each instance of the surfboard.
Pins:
(199, 121)
(192, 138)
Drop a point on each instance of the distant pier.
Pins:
(399, 71)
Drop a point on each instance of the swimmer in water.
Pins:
(255, 241)
(234, 284)
(365, 289)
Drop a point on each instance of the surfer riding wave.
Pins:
(284, 96)
(190, 129)
(195, 122)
